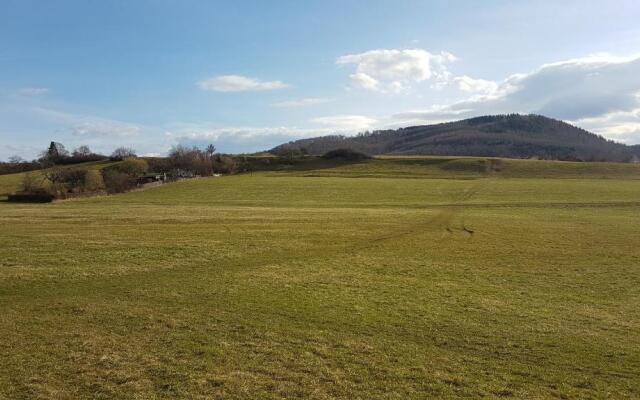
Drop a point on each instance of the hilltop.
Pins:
(512, 136)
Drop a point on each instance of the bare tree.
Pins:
(121, 153)
(54, 154)
(82, 152)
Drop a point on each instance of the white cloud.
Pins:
(395, 70)
(20, 150)
(238, 139)
(595, 59)
(620, 126)
(350, 123)
(431, 115)
(239, 83)
(600, 92)
(367, 82)
(470, 85)
(33, 91)
(311, 101)
(90, 126)
(195, 132)
(331, 124)
(104, 128)
(251, 138)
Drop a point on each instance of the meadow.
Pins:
(394, 278)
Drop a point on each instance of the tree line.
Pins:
(57, 154)
(62, 179)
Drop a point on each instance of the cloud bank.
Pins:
(599, 92)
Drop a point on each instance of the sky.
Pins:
(248, 75)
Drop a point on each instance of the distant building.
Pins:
(152, 178)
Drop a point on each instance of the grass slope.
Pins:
(459, 168)
(10, 183)
(310, 283)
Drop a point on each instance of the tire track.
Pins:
(442, 219)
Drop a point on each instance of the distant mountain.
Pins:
(513, 135)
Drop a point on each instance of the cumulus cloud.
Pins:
(239, 83)
(395, 70)
(311, 101)
(590, 91)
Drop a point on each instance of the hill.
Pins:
(512, 136)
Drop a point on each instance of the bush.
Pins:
(93, 181)
(32, 191)
(160, 165)
(123, 176)
(41, 197)
(63, 182)
(194, 160)
(132, 166)
(226, 165)
(66, 180)
(346, 155)
(118, 182)
(74, 179)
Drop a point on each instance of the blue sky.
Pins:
(247, 75)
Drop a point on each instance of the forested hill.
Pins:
(513, 135)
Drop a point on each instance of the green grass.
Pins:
(330, 281)
(458, 167)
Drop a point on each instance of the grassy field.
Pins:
(396, 278)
